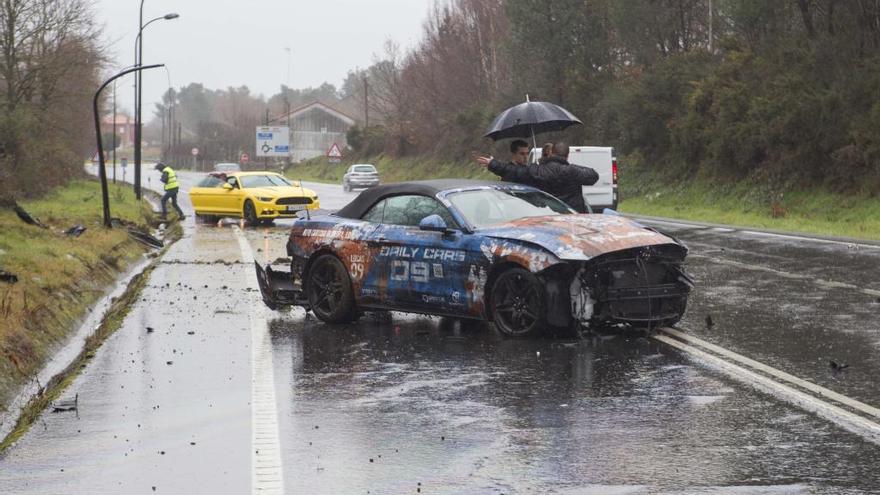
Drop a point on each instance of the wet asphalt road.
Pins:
(426, 405)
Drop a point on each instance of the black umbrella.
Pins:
(530, 118)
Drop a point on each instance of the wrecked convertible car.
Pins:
(493, 251)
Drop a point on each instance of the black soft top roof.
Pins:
(359, 206)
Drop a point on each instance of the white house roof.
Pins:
(321, 106)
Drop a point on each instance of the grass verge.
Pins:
(59, 277)
(751, 205)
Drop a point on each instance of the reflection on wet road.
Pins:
(386, 406)
(793, 304)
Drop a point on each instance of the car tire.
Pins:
(329, 291)
(346, 187)
(517, 299)
(250, 213)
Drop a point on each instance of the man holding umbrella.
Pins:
(556, 176)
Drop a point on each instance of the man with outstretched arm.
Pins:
(556, 176)
(519, 152)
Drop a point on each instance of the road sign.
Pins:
(273, 141)
(334, 153)
(124, 161)
(245, 158)
(195, 151)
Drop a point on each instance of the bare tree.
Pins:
(49, 65)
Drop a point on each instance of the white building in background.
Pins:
(314, 128)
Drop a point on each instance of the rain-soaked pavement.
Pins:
(411, 404)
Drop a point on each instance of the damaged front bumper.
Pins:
(279, 288)
(643, 287)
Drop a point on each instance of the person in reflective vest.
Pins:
(169, 178)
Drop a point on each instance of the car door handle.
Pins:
(381, 239)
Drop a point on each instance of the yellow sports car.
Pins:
(255, 196)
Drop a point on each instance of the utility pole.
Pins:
(179, 132)
(266, 158)
(287, 105)
(137, 105)
(164, 112)
(366, 103)
(289, 134)
(711, 15)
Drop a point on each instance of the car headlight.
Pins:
(266, 199)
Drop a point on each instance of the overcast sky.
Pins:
(223, 43)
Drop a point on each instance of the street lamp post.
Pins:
(102, 171)
(114, 133)
(138, 60)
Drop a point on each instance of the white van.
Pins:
(602, 194)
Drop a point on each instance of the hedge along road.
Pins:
(423, 404)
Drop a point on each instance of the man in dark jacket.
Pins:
(556, 176)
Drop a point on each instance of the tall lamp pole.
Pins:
(102, 171)
(114, 132)
(139, 82)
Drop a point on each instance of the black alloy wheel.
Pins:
(329, 290)
(250, 213)
(518, 303)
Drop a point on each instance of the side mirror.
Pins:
(227, 186)
(433, 223)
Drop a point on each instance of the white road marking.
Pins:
(827, 284)
(848, 420)
(268, 473)
(812, 387)
(852, 244)
(689, 226)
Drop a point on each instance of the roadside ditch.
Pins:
(70, 291)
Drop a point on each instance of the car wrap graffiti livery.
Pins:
(483, 250)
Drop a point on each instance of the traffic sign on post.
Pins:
(273, 141)
(334, 154)
(195, 151)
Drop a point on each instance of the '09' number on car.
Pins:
(417, 271)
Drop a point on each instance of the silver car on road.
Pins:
(360, 175)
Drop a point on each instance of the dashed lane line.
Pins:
(714, 357)
(267, 475)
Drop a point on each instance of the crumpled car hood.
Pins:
(578, 237)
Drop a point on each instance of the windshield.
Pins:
(486, 207)
(268, 180)
(364, 168)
